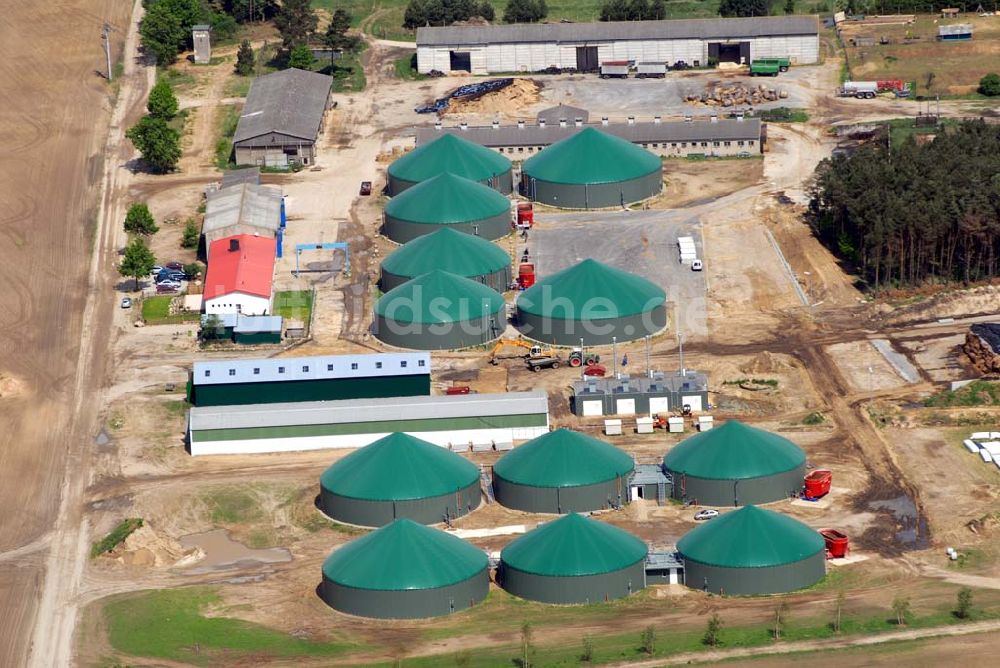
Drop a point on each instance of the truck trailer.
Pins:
(651, 70)
(863, 90)
(615, 69)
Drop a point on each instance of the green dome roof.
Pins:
(445, 199)
(563, 458)
(591, 156)
(595, 291)
(402, 556)
(574, 545)
(448, 250)
(449, 153)
(439, 297)
(750, 537)
(399, 467)
(734, 451)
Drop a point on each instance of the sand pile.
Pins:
(764, 362)
(145, 547)
(519, 95)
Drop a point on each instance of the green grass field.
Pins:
(156, 311)
(384, 18)
(169, 624)
(294, 305)
(227, 123)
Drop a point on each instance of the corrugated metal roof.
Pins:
(291, 102)
(322, 367)
(368, 410)
(692, 381)
(246, 323)
(720, 28)
(237, 176)
(562, 112)
(247, 204)
(638, 133)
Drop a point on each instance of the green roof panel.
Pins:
(399, 467)
(447, 199)
(449, 153)
(591, 290)
(589, 157)
(574, 545)
(448, 250)
(404, 556)
(750, 537)
(734, 451)
(563, 458)
(439, 297)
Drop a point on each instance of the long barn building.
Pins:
(584, 46)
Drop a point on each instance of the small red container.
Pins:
(526, 275)
(817, 483)
(458, 389)
(837, 543)
(525, 215)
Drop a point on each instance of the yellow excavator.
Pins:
(534, 351)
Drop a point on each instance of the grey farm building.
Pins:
(584, 46)
(282, 119)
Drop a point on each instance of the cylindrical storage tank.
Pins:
(405, 570)
(399, 476)
(562, 472)
(592, 170)
(439, 311)
(593, 302)
(573, 559)
(448, 250)
(449, 153)
(752, 551)
(735, 465)
(449, 201)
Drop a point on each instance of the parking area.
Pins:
(644, 243)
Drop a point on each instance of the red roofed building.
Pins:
(240, 275)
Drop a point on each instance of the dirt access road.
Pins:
(53, 124)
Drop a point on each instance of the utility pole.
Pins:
(106, 38)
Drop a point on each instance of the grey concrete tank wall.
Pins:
(559, 500)
(569, 332)
(498, 280)
(578, 589)
(431, 510)
(752, 581)
(447, 336)
(592, 196)
(409, 604)
(503, 183)
(745, 492)
(490, 229)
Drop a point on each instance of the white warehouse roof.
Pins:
(368, 410)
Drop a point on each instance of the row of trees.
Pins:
(634, 10)
(445, 12)
(153, 136)
(917, 212)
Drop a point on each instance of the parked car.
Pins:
(697, 265)
(156, 269)
(126, 302)
(167, 288)
(706, 514)
(175, 265)
(169, 283)
(170, 275)
(366, 187)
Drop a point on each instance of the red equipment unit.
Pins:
(817, 483)
(892, 84)
(526, 275)
(525, 215)
(458, 389)
(598, 370)
(837, 543)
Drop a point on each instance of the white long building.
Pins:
(584, 46)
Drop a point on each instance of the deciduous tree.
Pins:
(138, 220)
(901, 608)
(990, 84)
(525, 11)
(138, 260)
(162, 102)
(159, 144)
(963, 607)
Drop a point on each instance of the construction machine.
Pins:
(534, 351)
(578, 358)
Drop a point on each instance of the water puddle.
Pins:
(223, 553)
(911, 528)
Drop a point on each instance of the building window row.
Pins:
(329, 367)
